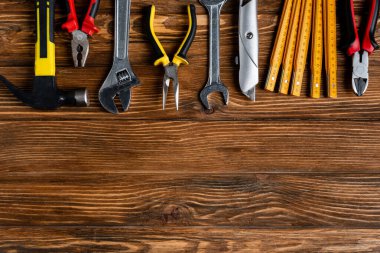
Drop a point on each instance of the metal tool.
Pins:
(79, 43)
(214, 83)
(45, 94)
(360, 52)
(160, 56)
(248, 48)
(121, 79)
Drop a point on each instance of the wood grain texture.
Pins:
(194, 240)
(283, 174)
(167, 200)
(187, 147)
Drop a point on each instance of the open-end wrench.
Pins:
(214, 83)
(121, 78)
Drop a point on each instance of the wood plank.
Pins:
(184, 146)
(142, 239)
(173, 200)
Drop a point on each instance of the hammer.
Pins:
(45, 95)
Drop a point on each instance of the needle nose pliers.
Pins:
(161, 58)
(360, 51)
(79, 43)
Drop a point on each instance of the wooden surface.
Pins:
(283, 174)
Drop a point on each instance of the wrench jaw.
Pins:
(214, 87)
(118, 84)
(213, 2)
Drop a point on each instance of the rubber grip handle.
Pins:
(351, 41)
(88, 25)
(71, 23)
(369, 43)
(44, 48)
(159, 54)
(181, 55)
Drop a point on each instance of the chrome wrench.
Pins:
(121, 78)
(214, 83)
(248, 48)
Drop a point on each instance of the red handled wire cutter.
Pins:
(79, 43)
(360, 51)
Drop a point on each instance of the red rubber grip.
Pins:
(354, 43)
(369, 44)
(88, 25)
(72, 23)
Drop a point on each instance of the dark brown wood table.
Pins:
(283, 174)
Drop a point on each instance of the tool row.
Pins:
(301, 21)
(305, 19)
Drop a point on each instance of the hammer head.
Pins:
(46, 96)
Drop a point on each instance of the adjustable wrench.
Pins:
(214, 83)
(121, 78)
(248, 48)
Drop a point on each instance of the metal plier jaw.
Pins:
(160, 56)
(360, 63)
(360, 49)
(80, 48)
(171, 75)
(79, 42)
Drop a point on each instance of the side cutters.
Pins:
(121, 78)
(360, 50)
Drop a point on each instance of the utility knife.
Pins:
(248, 48)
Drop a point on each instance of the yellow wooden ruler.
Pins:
(317, 50)
(279, 46)
(287, 61)
(329, 23)
(302, 46)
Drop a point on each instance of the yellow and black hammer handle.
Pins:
(45, 95)
(45, 47)
(160, 56)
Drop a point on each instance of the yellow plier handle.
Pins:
(180, 57)
(159, 52)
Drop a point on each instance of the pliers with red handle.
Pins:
(360, 51)
(79, 43)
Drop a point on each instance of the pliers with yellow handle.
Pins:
(161, 58)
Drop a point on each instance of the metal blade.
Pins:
(360, 86)
(176, 94)
(165, 90)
